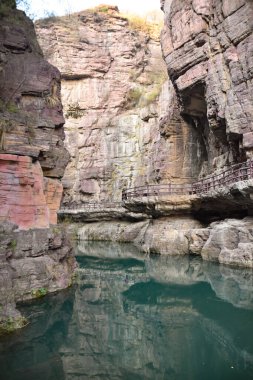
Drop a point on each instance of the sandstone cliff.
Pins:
(32, 162)
(207, 46)
(127, 126)
(115, 95)
(32, 155)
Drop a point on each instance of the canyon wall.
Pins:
(207, 46)
(123, 123)
(32, 154)
(35, 258)
(129, 125)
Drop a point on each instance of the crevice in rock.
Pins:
(211, 150)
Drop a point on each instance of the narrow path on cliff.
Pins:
(235, 173)
(232, 175)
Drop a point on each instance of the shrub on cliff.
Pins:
(142, 24)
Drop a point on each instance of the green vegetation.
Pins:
(49, 17)
(151, 96)
(146, 94)
(133, 97)
(11, 324)
(12, 245)
(5, 6)
(8, 106)
(157, 81)
(38, 293)
(102, 8)
(9, 3)
(5, 127)
(148, 25)
(74, 111)
(52, 101)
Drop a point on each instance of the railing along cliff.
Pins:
(235, 173)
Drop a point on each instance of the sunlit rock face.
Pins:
(227, 242)
(207, 46)
(128, 130)
(31, 126)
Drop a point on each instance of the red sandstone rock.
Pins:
(31, 133)
(28, 199)
(21, 192)
(53, 192)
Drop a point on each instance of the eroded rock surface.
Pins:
(230, 242)
(124, 126)
(207, 46)
(227, 242)
(34, 259)
(32, 264)
(31, 127)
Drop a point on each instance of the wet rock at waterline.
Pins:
(227, 242)
(32, 264)
(134, 316)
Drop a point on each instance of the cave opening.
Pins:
(211, 148)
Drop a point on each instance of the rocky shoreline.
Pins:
(33, 263)
(228, 242)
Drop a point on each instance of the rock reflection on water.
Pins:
(157, 318)
(140, 317)
(33, 353)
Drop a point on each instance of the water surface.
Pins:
(136, 317)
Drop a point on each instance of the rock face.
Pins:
(28, 200)
(166, 236)
(230, 242)
(207, 46)
(32, 161)
(124, 127)
(31, 133)
(227, 242)
(127, 126)
(32, 264)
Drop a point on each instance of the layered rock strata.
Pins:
(127, 128)
(227, 242)
(32, 264)
(207, 46)
(33, 157)
(117, 103)
(34, 259)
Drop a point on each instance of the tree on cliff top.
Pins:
(13, 4)
(8, 3)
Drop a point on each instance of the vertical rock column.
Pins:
(32, 155)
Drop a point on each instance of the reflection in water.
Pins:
(33, 353)
(135, 317)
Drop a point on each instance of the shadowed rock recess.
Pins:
(34, 258)
(129, 125)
